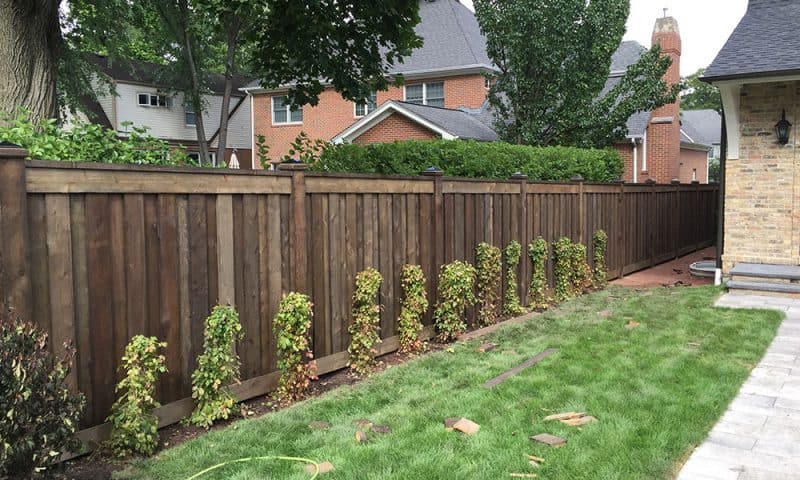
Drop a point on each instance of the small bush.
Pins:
(134, 426)
(415, 303)
(40, 413)
(489, 269)
(217, 368)
(291, 326)
(456, 282)
(466, 158)
(581, 274)
(599, 270)
(512, 305)
(365, 325)
(538, 298)
(562, 268)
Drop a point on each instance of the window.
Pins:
(212, 157)
(188, 109)
(154, 100)
(426, 94)
(370, 105)
(282, 114)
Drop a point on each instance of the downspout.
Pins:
(635, 159)
(252, 134)
(644, 151)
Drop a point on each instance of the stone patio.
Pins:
(758, 438)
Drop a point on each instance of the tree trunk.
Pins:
(30, 42)
(196, 90)
(234, 23)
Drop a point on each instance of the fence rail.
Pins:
(95, 254)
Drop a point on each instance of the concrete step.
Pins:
(760, 270)
(764, 286)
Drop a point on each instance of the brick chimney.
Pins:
(664, 132)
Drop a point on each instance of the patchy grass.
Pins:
(655, 392)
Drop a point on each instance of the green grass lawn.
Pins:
(655, 393)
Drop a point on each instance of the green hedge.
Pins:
(465, 158)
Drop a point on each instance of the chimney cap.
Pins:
(666, 25)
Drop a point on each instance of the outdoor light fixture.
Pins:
(782, 129)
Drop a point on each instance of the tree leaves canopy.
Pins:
(699, 95)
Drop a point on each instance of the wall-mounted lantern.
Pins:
(782, 129)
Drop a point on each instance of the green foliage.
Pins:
(539, 298)
(217, 368)
(714, 170)
(467, 158)
(414, 305)
(581, 274)
(488, 272)
(456, 282)
(599, 270)
(40, 413)
(562, 268)
(86, 142)
(699, 95)
(262, 152)
(292, 326)
(511, 303)
(365, 326)
(554, 59)
(134, 426)
(304, 149)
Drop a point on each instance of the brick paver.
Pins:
(758, 437)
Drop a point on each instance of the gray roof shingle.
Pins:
(764, 42)
(457, 122)
(701, 126)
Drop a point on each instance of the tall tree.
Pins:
(699, 95)
(554, 60)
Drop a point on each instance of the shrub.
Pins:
(40, 413)
(581, 274)
(217, 368)
(488, 282)
(415, 303)
(456, 282)
(134, 426)
(365, 324)
(87, 142)
(291, 326)
(562, 268)
(538, 297)
(467, 158)
(512, 305)
(304, 149)
(600, 243)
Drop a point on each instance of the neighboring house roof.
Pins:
(146, 73)
(701, 127)
(763, 44)
(450, 124)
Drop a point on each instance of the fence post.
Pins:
(622, 226)
(15, 282)
(297, 228)
(676, 218)
(523, 233)
(698, 221)
(438, 224)
(581, 209)
(652, 224)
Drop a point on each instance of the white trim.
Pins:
(252, 135)
(384, 111)
(730, 104)
(763, 79)
(635, 159)
(644, 151)
(288, 113)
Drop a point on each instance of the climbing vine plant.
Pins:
(581, 274)
(456, 282)
(512, 305)
(292, 326)
(538, 298)
(488, 272)
(365, 324)
(562, 268)
(134, 426)
(217, 368)
(600, 271)
(414, 305)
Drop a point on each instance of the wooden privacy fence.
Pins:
(95, 254)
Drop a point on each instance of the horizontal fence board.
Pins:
(116, 251)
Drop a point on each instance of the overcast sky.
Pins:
(705, 25)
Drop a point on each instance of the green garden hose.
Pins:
(252, 459)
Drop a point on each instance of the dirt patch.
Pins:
(674, 273)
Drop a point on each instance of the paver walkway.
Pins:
(758, 438)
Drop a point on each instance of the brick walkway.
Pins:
(758, 438)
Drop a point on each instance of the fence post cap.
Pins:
(10, 150)
(695, 182)
(619, 181)
(577, 178)
(650, 181)
(675, 181)
(293, 166)
(432, 171)
(519, 176)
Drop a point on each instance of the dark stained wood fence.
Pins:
(95, 254)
